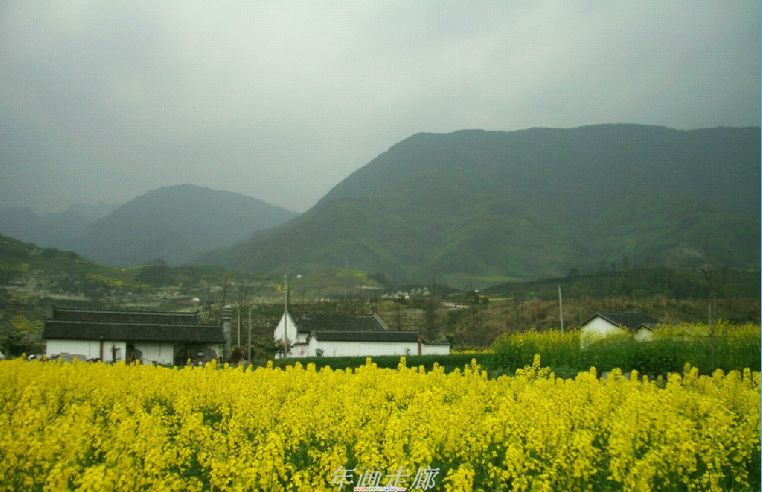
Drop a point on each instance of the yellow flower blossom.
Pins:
(126, 427)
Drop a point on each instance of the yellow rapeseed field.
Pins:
(104, 427)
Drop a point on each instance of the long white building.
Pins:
(345, 335)
(112, 336)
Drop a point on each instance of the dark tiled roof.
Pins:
(85, 324)
(366, 336)
(633, 321)
(309, 322)
(115, 316)
(72, 330)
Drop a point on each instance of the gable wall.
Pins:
(644, 335)
(600, 326)
(597, 329)
(289, 329)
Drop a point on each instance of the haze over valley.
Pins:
(389, 157)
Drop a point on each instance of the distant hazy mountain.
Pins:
(526, 204)
(58, 230)
(175, 223)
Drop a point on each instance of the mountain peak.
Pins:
(175, 223)
(531, 203)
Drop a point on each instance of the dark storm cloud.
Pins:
(102, 101)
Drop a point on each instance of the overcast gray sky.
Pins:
(281, 100)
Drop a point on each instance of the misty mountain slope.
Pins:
(174, 224)
(53, 229)
(531, 203)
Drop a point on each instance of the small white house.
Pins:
(112, 336)
(345, 335)
(605, 324)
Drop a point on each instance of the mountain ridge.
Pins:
(527, 203)
(174, 223)
(52, 229)
(170, 223)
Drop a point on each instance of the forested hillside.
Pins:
(488, 206)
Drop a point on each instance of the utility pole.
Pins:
(227, 318)
(249, 333)
(225, 290)
(240, 304)
(285, 317)
(561, 307)
(710, 278)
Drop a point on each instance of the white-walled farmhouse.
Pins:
(343, 335)
(606, 324)
(113, 336)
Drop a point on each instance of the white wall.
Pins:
(644, 335)
(370, 349)
(159, 352)
(90, 349)
(436, 349)
(361, 349)
(289, 328)
(596, 329)
(300, 351)
(312, 348)
(600, 326)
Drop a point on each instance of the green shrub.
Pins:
(722, 346)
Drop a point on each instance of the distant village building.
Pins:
(346, 335)
(604, 324)
(151, 337)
